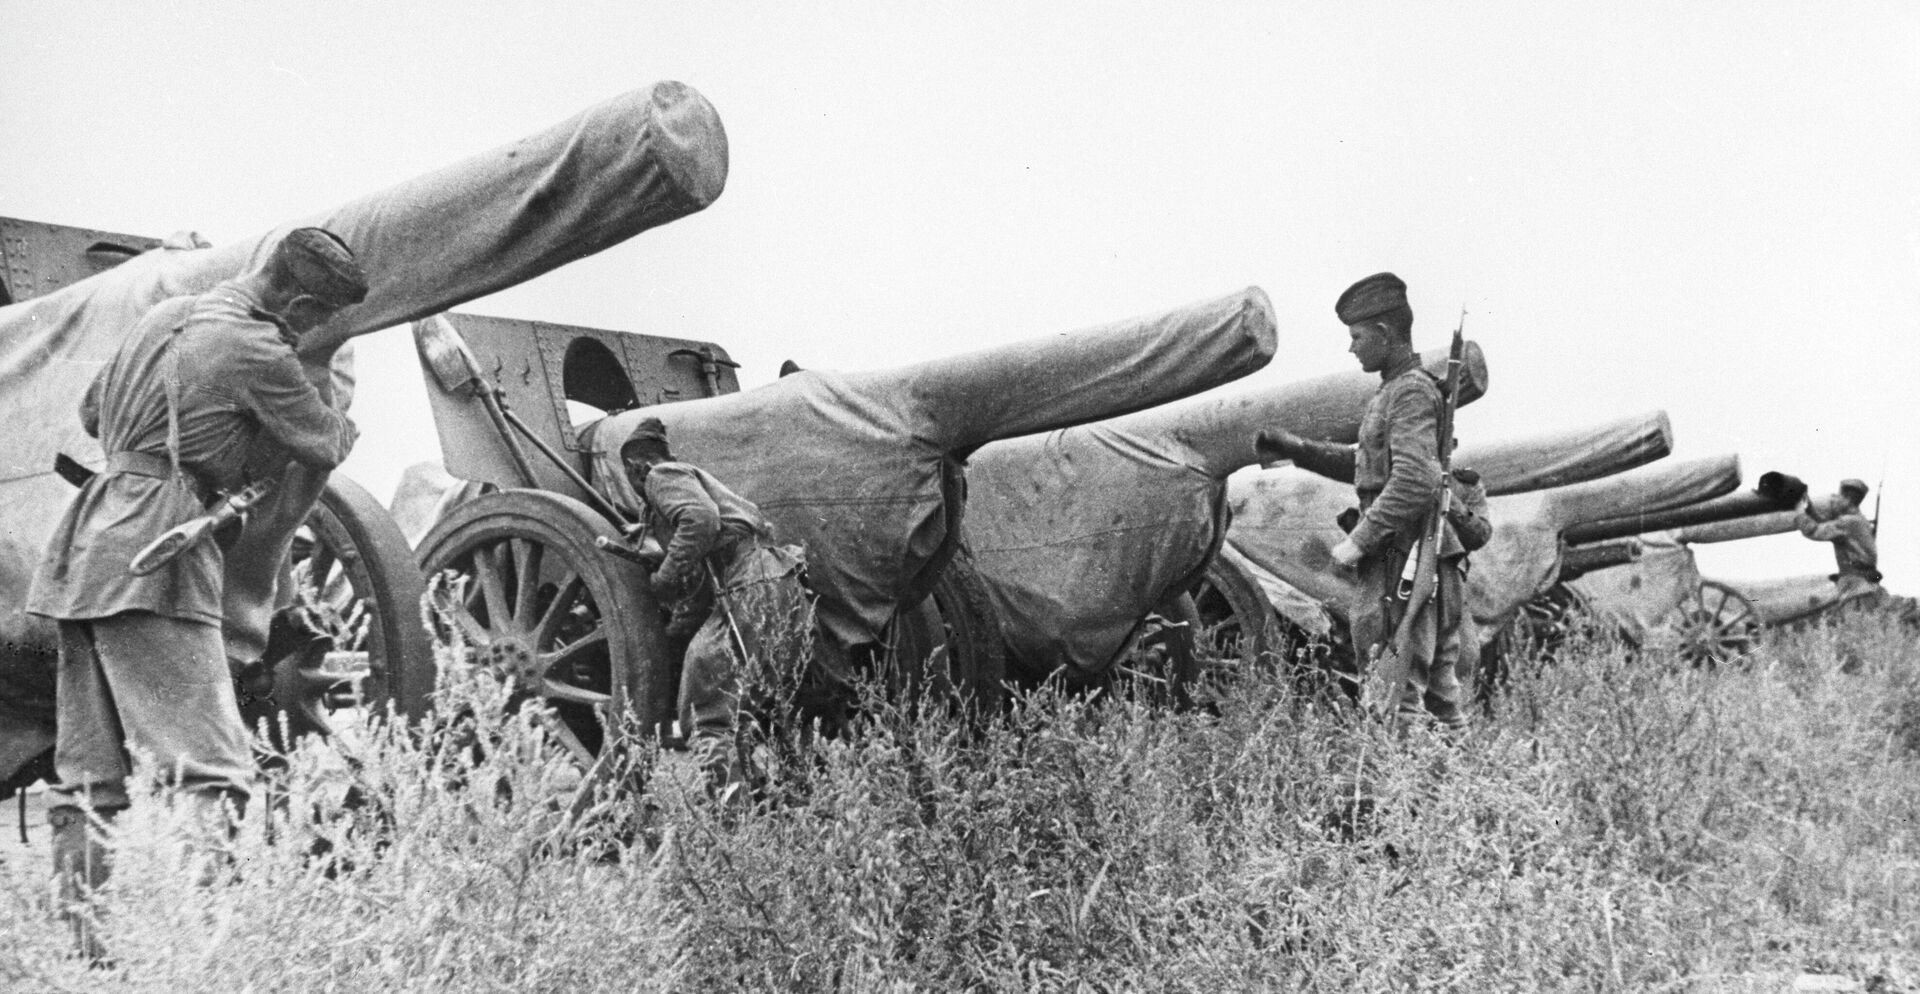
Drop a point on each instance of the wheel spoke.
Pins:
(569, 741)
(574, 652)
(319, 565)
(462, 614)
(555, 690)
(563, 602)
(527, 585)
(488, 568)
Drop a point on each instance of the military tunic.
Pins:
(1855, 552)
(750, 650)
(245, 408)
(1395, 471)
(142, 664)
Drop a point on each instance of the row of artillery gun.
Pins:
(1080, 507)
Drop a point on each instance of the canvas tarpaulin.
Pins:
(1564, 458)
(1284, 519)
(1789, 599)
(1647, 490)
(1752, 526)
(866, 468)
(1079, 533)
(494, 220)
(1637, 599)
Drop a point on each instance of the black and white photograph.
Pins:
(862, 496)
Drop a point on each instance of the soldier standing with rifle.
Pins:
(204, 396)
(1414, 561)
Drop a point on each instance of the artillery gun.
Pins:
(1285, 521)
(499, 218)
(1081, 534)
(1734, 609)
(866, 469)
(1634, 577)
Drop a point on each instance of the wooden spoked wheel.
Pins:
(1236, 622)
(948, 647)
(1714, 625)
(351, 643)
(515, 575)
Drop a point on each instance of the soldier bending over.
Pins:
(204, 394)
(1396, 474)
(750, 629)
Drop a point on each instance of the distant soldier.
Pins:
(1396, 474)
(733, 588)
(1856, 550)
(204, 395)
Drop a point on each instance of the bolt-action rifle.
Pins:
(1420, 579)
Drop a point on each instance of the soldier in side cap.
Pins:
(204, 395)
(735, 590)
(1856, 551)
(1396, 473)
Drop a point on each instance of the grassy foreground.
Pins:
(1619, 825)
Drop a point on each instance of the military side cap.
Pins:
(1371, 297)
(1853, 486)
(321, 263)
(648, 430)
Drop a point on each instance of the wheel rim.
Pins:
(947, 647)
(518, 581)
(351, 643)
(1716, 625)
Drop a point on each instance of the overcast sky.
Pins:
(1711, 208)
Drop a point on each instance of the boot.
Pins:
(82, 863)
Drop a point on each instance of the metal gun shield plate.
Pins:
(37, 258)
(557, 378)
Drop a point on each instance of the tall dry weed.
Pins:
(1620, 823)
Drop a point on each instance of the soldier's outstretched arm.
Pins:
(1326, 459)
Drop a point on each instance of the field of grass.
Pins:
(1618, 824)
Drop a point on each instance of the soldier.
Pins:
(1856, 551)
(205, 394)
(734, 589)
(1396, 474)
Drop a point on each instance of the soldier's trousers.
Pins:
(750, 653)
(1432, 682)
(140, 684)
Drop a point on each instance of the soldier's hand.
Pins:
(1347, 554)
(1278, 444)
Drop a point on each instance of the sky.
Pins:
(1709, 208)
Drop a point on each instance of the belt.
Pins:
(140, 464)
(155, 467)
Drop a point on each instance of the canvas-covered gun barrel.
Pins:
(491, 221)
(1584, 559)
(1079, 533)
(1771, 494)
(1283, 519)
(1219, 430)
(1738, 529)
(1644, 491)
(1564, 458)
(866, 468)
